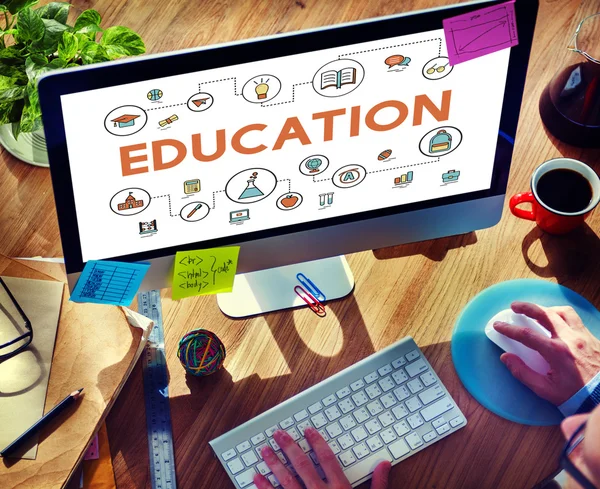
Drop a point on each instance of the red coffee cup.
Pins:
(552, 220)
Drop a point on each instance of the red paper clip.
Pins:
(311, 300)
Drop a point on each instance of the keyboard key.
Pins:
(360, 398)
(416, 368)
(366, 466)
(372, 377)
(359, 384)
(401, 428)
(249, 458)
(229, 454)
(400, 411)
(313, 408)
(414, 441)
(361, 450)
(301, 415)
(293, 432)
(437, 408)
(329, 400)
(319, 420)
(386, 419)
(304, 445)
(274, 444)
(373, 426)
(334, 430)
(273, 480)
(235, 466)
(415, 386)
(443, 429)
(335, 448)
(386, 369)
(438, 422)
(345, 441)
(361, 415)
(242, 447)
(399, 362)
(413, 404)
(324, 435)
(386, 384)
(259, 449)
(388, 436)
(415, 421)
(343, 392)
(302, 426)
(333, 413)
(281, 458)
(373, 391)
(347, 422)
(456, 422)
(400, 376)
(431, 394)
(286, 423)
(428, 378)
(374, 443)
(412, 355)
(401, 393)
(346, 406)
(263, 468)
(359, 434)
(347, 458)
(256, 439)
(399, 449)
(375, 407)
(245, 478)
(271, 431)
(427, 437)
(388, 400)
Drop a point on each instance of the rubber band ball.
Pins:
(201, 352)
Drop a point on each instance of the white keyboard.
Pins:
(388, 406)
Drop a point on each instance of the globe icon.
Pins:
(313, 165)
(155, 94)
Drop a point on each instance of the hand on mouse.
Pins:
(305, 468)
(572, 352)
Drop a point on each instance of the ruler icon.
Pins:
(156, 396)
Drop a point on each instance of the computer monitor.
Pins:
(337, 139)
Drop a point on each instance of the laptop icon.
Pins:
(238, 217)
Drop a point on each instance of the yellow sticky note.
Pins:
(203, 272)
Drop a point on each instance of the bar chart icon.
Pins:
(404, 179)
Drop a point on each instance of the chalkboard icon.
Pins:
(148, 227)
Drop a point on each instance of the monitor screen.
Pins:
(296, 139)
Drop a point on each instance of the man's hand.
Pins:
(305, 468)
(572, 352)
(586, 456)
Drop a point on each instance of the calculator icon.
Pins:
(191, 186)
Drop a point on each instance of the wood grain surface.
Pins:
(417, 289)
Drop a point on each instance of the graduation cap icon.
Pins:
(200, 101)
(125, 120)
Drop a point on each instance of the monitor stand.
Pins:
(273, 289)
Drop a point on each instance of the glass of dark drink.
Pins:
(570, 104)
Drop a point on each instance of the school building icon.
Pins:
(130, 203)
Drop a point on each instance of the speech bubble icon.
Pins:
(394, 60)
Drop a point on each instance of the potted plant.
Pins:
(34, 41)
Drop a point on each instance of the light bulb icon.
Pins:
(261, 89)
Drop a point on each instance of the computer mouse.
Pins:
(530, 357)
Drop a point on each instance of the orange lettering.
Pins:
(157, 156)
(354, 121)
(424, 102)
(396, 104)
(236, 140)
(197, 147)
(328, 121)
(292, 129)
(127, 159)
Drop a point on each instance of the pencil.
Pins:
(193, 211)
(44, 420)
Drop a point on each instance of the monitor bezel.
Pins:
(103, 75)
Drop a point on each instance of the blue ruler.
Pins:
(156, 395)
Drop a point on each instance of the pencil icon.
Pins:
(193, 211)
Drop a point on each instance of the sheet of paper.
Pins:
(109, 282)
(204, 272)
(24, 378)
(481, 32)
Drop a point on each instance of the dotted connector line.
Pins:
(439, 39)
(293, 95)
(405, 166)
(321, 180)
(216, 192)
(289, 181)
(167, 106)
(169, 197)
(220, 80)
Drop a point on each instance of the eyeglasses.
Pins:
(568, 465)
(16, 333)
(578, 45)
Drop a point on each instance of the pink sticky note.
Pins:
(93, 452)
(481, 32)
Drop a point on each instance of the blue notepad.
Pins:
(109, 282)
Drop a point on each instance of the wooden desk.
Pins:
(416, 289)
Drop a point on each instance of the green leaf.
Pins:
(93, 53)
(11, 56)
(54, 31)
(16, 73)
(121, 41)
(58, 11)
(30, 25)
(31, 118)
(6, 82)
(87, 17)
(11, 111)
(11, 94)
(88, 33)
(67, 47)
(15, 6)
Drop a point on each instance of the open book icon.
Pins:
(332, 78)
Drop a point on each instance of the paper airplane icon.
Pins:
(199, 101)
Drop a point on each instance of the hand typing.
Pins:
(572, 352)
(305, 468)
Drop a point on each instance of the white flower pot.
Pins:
(30, 147)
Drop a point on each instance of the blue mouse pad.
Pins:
(477, 359)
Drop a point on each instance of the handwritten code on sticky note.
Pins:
(109, 282)
(481, 32)
(204, 272)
